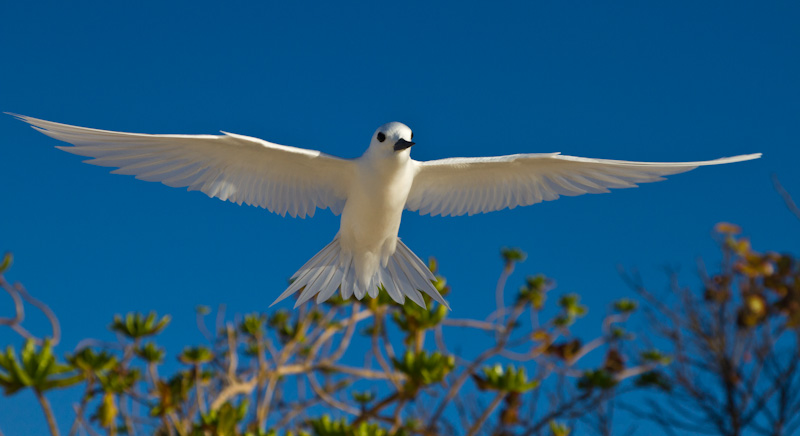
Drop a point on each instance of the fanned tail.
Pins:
(404, 275)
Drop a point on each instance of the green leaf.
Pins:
(136, 326)
(253, 324)
(512, 255)
(196, 356)
(37, 369)
(5, 264)
(625, 305)
(17, 371)
(622, 334)
(559, 429)
(363, 398)
(654, 379)
(656, 356)
(534, 291)
(202, 310)
(92, 363)
(511, 380)
(598, 378)
(107, 411)
(423, 369)
(412, 318)
(120, 379)
(325, 426)
(150, 353)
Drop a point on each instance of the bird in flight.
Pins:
(369, 192)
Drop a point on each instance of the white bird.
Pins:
(370, 192)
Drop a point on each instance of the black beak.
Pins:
(402, 144)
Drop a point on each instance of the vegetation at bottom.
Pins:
(720, 358)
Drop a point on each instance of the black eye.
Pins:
(381, 137)
(412, 136)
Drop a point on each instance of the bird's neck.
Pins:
(380, 160)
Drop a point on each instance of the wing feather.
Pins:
(236, 168)
(459, 186)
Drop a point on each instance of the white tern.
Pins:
(370, 192)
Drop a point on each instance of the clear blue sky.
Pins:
(630, 80)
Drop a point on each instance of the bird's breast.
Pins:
(374, 206)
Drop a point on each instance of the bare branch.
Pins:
(787, 198)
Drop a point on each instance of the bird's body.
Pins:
(371, 216)
(369, 192)
(365, 251)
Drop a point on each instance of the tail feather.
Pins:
(307, 271)
(403, 284)
(419, 265)
(314, 284)
(325, 280)
(372, 288)
(404, 275)
(385, 279)
(358, 291)
(421, 281)
(348, 280)
(331, 287)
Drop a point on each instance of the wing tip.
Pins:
(732, 159)
(751, 156)
(23, 118)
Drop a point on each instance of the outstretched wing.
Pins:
(461, 186)
(236, 168)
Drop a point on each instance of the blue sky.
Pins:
(628, 80)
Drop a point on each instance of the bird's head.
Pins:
(392, 139)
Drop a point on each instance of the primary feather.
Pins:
(459, 186)
(235, 168)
